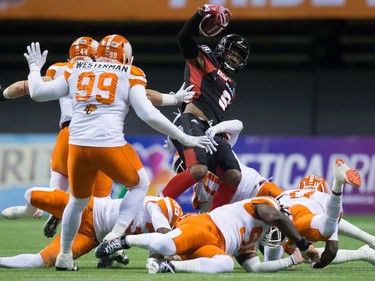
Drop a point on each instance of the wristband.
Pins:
(303, 244)
(168, 100)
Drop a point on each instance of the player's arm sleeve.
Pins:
(188, 46)
(151, 115)
(45, 91)
(255, 265)
(231, 127)
(157, 217)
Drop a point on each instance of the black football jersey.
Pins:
(215, 90)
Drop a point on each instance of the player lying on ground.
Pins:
(207, 242)
(157, 214)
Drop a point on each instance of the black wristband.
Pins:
(2, 98)
(303, 244)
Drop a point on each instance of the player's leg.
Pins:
(228, 170)
(82, 174)
(123, 165)
(342, 174)
(364, 253)
(59, 176)
(195, 159)
(38, 199)
(349, 230)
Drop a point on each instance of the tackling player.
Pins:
(102, 93)
(207, 242)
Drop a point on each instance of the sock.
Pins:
(223, 195)
(216, 264)
(130, 205)
(154, 242)
(349, 230)
(178, 184)
(23, 261)
(348, 255)
(337, 187)
(332, 215)
(71, 221)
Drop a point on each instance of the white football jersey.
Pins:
(66, 108)
(315, 201)
(205, 189)
(100, 94)
(240, 226)
(106, 211)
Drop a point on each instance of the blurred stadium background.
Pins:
(305, 98)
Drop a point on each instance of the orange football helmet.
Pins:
(83, 48)
(115, 48)
(314, 182)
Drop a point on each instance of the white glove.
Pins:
(34, 57)
(183, 94)
(211, 133)
(201, 141)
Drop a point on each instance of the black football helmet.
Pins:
(236, 42)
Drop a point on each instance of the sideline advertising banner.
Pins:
(172, 10)
(24, 163)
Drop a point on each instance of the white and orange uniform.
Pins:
(252, 184)
(309, 211)
(230, 230)
(59, 159)
(98, 219)
(102, 94)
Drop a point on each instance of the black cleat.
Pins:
(51, 225)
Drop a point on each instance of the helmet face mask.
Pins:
(228, 46)
(273, 238)
(83, 48)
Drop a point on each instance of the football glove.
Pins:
(221, 13)
(34, 57)
(210, 133)
(201, 141)
(183, 94)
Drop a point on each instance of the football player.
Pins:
(316, 214)
(156, 214)
(102, 93)
(207, 242)
(211, 74)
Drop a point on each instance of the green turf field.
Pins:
(25, 236)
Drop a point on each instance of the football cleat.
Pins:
(109, 247)
(65, 262)
(159, 266)
(17, 212)
(369, 254)
(51, 225)
(343, 173)
(105, 262)
(122, 258)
